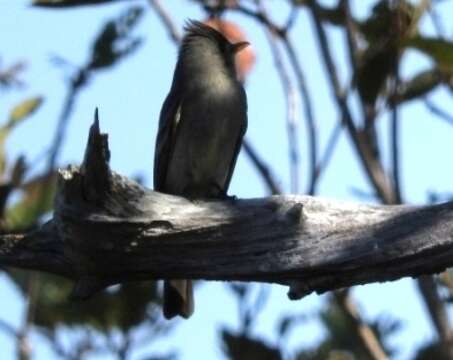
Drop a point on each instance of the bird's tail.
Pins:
(178, 298)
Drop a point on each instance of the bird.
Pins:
(201, 126)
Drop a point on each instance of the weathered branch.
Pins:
(108, 229)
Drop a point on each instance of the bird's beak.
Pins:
(239, 46)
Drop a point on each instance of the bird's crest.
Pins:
(195, 28)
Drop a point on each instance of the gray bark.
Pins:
(108, 229)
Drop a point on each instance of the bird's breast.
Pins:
(212, 119)
(210, 83)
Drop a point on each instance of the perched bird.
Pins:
(201, 126)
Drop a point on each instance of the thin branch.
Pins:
(167, 20)
(439, 112)
(308, 113)
(290, 96)
(350, 27)
(351, 35)
(395, 137)
(291, 111)
(436, 21)
(262, 168)
(437, 311)
(8, 328)
(329, 150)
(367, 338)
(10, 76)
(261, 17)
(282, 33)
(24, 351)
(291, 18)
(371, 166)
(74, 87)
(22, 344)
(255, 308)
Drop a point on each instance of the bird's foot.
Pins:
(220, 193)
(226, 197)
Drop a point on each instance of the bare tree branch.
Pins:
(436, 21)
(309, 114)
(8, 328)
(395, 137)
(108, 229)
(282, 34)
(167, 20)
(329, 150)
(291, 110)
(371, 165)
(262, 168)
(436, 110)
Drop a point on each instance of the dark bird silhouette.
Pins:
(201, 126)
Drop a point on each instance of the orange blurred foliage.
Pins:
(245, 59)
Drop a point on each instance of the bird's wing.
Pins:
(237, 148)
(168, 122)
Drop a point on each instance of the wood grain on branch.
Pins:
(108, 229)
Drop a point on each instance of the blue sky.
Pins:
(129, 99)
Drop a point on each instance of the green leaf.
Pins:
(441, 51)
(19, 113)
(332, 15)
(120, 308)
(419, 85)
(23, 110)
(431, 350)
(37, 200)
(375, 67)
(68, 3)
(123, 308)
(115, 40)
(391, 23)
(243, 347)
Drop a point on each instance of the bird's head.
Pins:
(210, 45)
